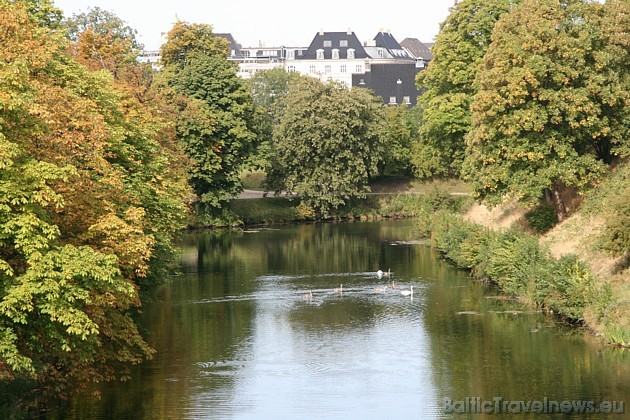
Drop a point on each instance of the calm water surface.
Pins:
(236, 338)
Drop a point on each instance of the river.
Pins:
(252, 328)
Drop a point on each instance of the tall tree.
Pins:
(86, 198)
(327, 143)
(218, 117)
(268, 89)
(103, 41)
(186, 39)
(552, 105)
(449, 84)
(400, 131)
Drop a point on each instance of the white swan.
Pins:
(338, 289)
(308, 295)
(379, 273)
(407, 292)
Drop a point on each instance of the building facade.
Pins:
(381, 64)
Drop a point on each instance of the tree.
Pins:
(449, 85)
(216, 122)
(186, 39)
(268, 89)
(327, 143)
(104, 24)
(399, 133)
(87, 197)
(552, 103)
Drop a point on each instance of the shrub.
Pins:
(616, 234)
(519, 265)
(448, 233)
(572, 288)
(477, 249)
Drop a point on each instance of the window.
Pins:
(407, 100)
(320, 54)
(392, 100)
(291, 69)
(327, 44)
(359, 68)
(327, 69)
(312, 69)
(342, 68)
(343, 43)
(290, 54)
(350, 53)
(335, 54)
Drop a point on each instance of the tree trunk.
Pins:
(554, 199)
(561, 210)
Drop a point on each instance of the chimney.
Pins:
(321, 31)
(349, 31)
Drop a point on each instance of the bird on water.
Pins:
(407, 292)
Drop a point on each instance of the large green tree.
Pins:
(449, 86)
(327, 143)
(87, 196)
(552, 106)
(217, 121)
(400, 133)
(268, 89)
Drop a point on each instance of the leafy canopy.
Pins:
(327, 143)
(449, 85)
(217, 119)
(552, 102)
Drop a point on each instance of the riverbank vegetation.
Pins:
(103, 159)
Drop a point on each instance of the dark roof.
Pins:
(232, 44)
(335, 39)
(417, 48)
(385, 39)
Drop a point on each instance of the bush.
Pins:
(519, 266)
(541, 218)
(448, 233)
(616, 234)
(572, 288)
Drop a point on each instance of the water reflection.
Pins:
(237, 339)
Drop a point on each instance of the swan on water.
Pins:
(407, 292)
(308, 295)
(379, 273)
(338, 289)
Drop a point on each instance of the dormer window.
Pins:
(343, 43)
(320, 54)
(335, 54)
(350, 53)
(327, 44)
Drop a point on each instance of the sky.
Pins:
(274, 23)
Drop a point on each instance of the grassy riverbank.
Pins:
(390, 198)
(578, 268)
